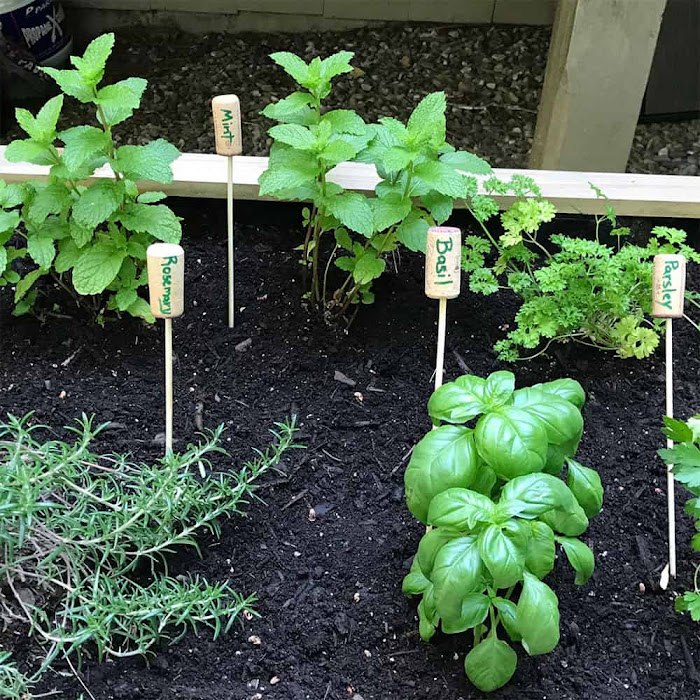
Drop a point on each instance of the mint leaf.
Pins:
(386, 214)
(293, 109)
(337, 152)
(293, 65)
(413, 232)
(345, 121)
(141, 309)
(466, 162)
(150, 162)
(336, 64)
(9, 221)
(427, 123)
(3, 260)
(52, 199)
(156, 220)
(353, 211)
(294, 135)
(439, 205)
(12, 195)
(29, 151)
(97, 267)
(98, 203)
(41, 249)
(72, 83)
(442, 178)
(68, 255)
(124, 298)
(27, 282)
(151, 197)
(42, 127)
(367, 268)
(92, 65)
(397, 158)
(117, 102)
(83, 143)
(80, 235)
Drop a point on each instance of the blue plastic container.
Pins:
(40, 25)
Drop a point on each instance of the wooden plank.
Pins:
(204, 175)
(599, 61)
(460, 11)
(224, 7)
(288, 7)
(536, 12)
(367, 9)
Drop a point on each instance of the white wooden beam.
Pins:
(204, 175)
(599, 61)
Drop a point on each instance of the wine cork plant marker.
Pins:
(226, 110)
(166, 286)
(668, 291)
(443, 264)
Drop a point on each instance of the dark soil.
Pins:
(334, 624)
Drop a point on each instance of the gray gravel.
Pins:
(492, 75)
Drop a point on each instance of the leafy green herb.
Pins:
(684, 458)
(421, 176)
(91, 240)
(497, 506)
(585, 291)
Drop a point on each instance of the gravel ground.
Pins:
(492, 75)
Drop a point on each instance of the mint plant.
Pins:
(497, 506)
(421, 176)
(88, 535)
(584, 291)
(685, 458)
(92, 239)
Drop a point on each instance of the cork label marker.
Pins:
(166, 286)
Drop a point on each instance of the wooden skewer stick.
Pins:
(226, 110)
(668, 290)
(166, 286)
(443, 265)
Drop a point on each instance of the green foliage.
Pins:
(496, 506)
(585, 291)
(684, 459)
(91, 239)
(421, 176)
(85, 540)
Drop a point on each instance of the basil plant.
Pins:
(496, 502)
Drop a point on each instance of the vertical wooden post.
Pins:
(166, 286)
(599, 61)
(668, 291)
(226, 111)
(443, 265)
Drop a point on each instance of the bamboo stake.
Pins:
(668, 290)
(166, 282)
(442, 281)
(226, 111)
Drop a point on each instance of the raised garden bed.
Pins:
(334, 622)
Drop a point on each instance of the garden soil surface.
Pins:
(333, 622)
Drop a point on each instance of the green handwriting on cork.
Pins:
(227, 123)
(443, 275)
(165, 301)
(667, 290)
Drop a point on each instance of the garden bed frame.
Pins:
(204, 175)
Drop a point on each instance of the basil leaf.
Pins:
(503, 549)
(460, 509)
(456, 573)
(580, 557)
(458, 401)
(541, 551)
(475, 608)
(537, 616)
(586, 486)
(490, 664)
